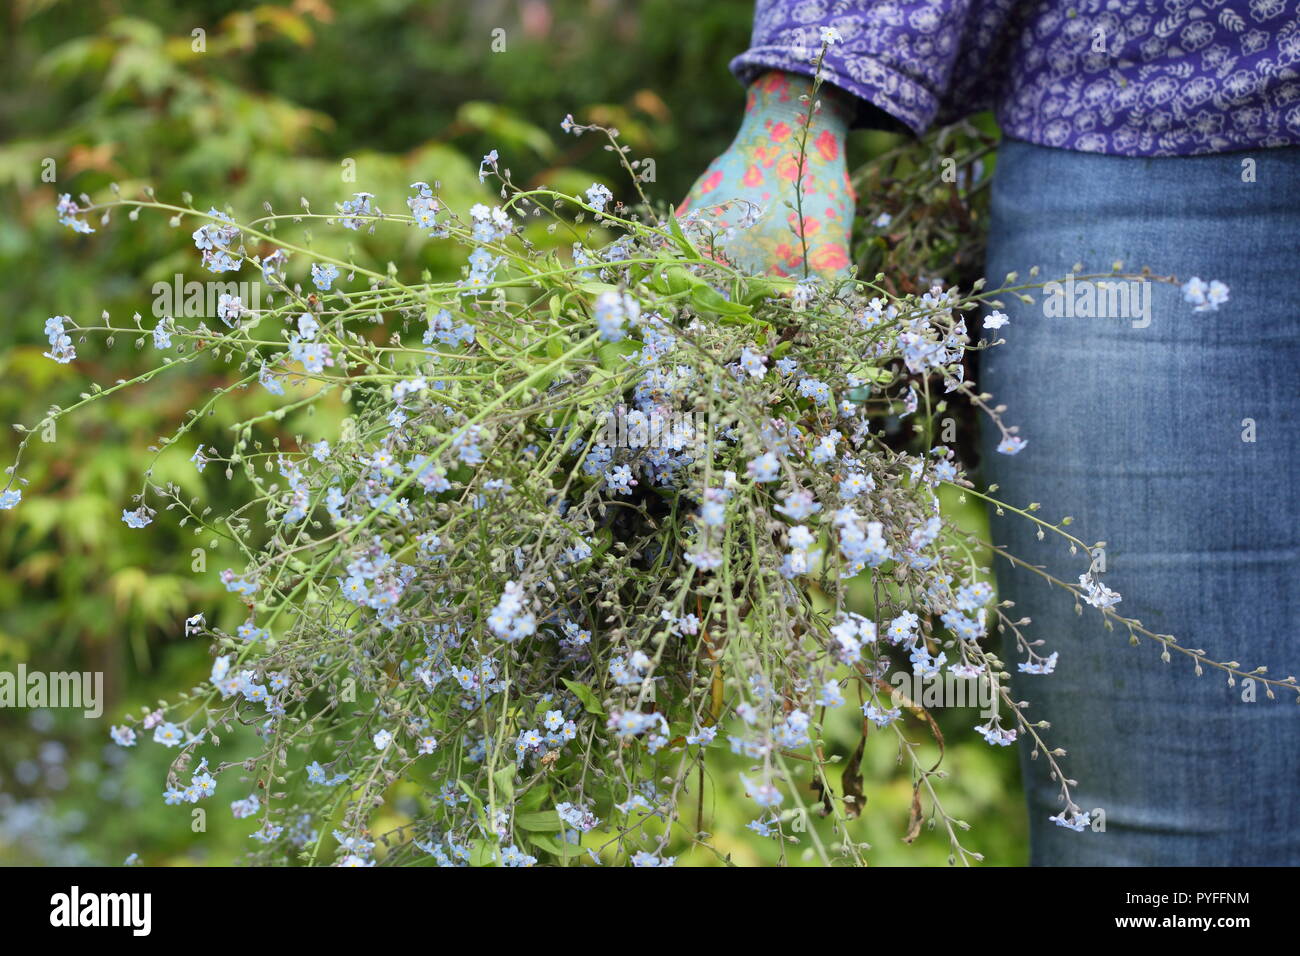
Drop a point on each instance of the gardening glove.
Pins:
(747, 188)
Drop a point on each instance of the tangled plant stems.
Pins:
(591, 519)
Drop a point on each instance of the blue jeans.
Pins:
(1175, 442)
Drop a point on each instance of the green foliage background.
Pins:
(283, 101)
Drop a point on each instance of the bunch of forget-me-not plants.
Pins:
(590, 520)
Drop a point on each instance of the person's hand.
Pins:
(747, 188)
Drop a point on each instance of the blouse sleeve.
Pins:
(898, 55)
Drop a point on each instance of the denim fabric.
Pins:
(1138, 433)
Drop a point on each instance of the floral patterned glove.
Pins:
(746, 188)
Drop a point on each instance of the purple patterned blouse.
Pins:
(1126, 77)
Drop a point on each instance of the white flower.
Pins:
(1207, 297)
(1098, 595)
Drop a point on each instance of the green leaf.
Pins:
(587, 696)
(674, 280)
(551, 845)
(504, 779)
(474, 800)
(545, 821)
(756, 290)
(688, 250)
(708, 299)
(532, 800)
(610, 354)
(593, 288)
(880, 377)
(556, 345)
